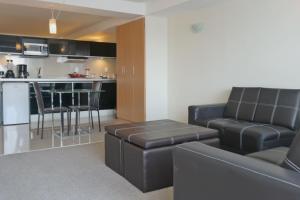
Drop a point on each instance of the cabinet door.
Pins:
(58, 47)
(108, 98)
(138, 70)
(10, 44)
(103, 49)
(82, 48)
(121, 104)
(130, 71)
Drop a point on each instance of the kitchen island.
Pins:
(19, 108)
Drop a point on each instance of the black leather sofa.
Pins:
(204, 172)
(253, 119)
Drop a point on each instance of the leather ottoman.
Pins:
(142, 152)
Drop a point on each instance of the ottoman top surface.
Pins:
(154, 134)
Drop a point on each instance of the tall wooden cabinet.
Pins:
(131, 71)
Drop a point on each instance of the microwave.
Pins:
(35, 47)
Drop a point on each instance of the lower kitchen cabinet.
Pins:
(107, 98)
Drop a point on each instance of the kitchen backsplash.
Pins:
(52, 69)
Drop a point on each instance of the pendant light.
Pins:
(52, 24)
(52, 21)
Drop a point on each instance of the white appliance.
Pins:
(35, 47)
(15, 117)
(15, 103)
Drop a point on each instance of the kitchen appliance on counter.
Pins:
(35, 47)
(22, 71)
(10, 69)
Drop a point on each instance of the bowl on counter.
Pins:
(77, 75)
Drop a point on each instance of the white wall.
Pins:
(243, 43)
(156, 67)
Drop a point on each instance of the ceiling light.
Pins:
(52, 22)
(52, 26)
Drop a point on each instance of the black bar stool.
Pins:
(93, 105)
(42, 111)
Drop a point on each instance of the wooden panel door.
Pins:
(121, 33)
(138, 70)
(130, 71)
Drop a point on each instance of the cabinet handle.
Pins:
(133, 70)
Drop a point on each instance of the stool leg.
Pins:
(42, 135)
(38, 125)
(92, 119)
(69, 121)
(62, 114)
(76, 122)
(61, 128)
(99, 120)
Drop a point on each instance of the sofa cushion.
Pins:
(242, 103)
(257, 137)
(233, 102)
(287, 108)
(278, 107)
(274, 156)
(248, 104)
(292, 160)
(219, 123)
(266, 104)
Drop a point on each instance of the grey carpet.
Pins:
(70, 173)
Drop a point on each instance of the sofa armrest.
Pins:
(204, 112)
(204, 172)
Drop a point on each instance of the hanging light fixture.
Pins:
(52, 21)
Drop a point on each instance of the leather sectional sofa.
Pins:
(253, 119)
(258, 122)
(204, 172)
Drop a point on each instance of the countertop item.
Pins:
(55, 80)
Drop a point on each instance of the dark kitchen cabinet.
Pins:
(68, 47)
(82, 48)
(13, 44)
(59, 47)
(10, 44)
(103, 49)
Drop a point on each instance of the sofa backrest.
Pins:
(278, 107)
(264, 105)
(242, 103)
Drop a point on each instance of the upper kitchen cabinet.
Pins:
(103, 49)
(10, 44)
(82, 48)
(68, 47)
(58, 47)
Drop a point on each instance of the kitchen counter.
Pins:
(57, 80)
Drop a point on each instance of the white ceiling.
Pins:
(34, 21)
(81, 19)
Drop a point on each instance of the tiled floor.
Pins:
(69, 140)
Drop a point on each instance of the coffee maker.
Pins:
(10, 69)
(22, 71)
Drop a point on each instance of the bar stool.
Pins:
(93, 105)
(42, 111)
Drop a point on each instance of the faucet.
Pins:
(39, 73)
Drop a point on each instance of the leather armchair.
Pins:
(204, 172)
